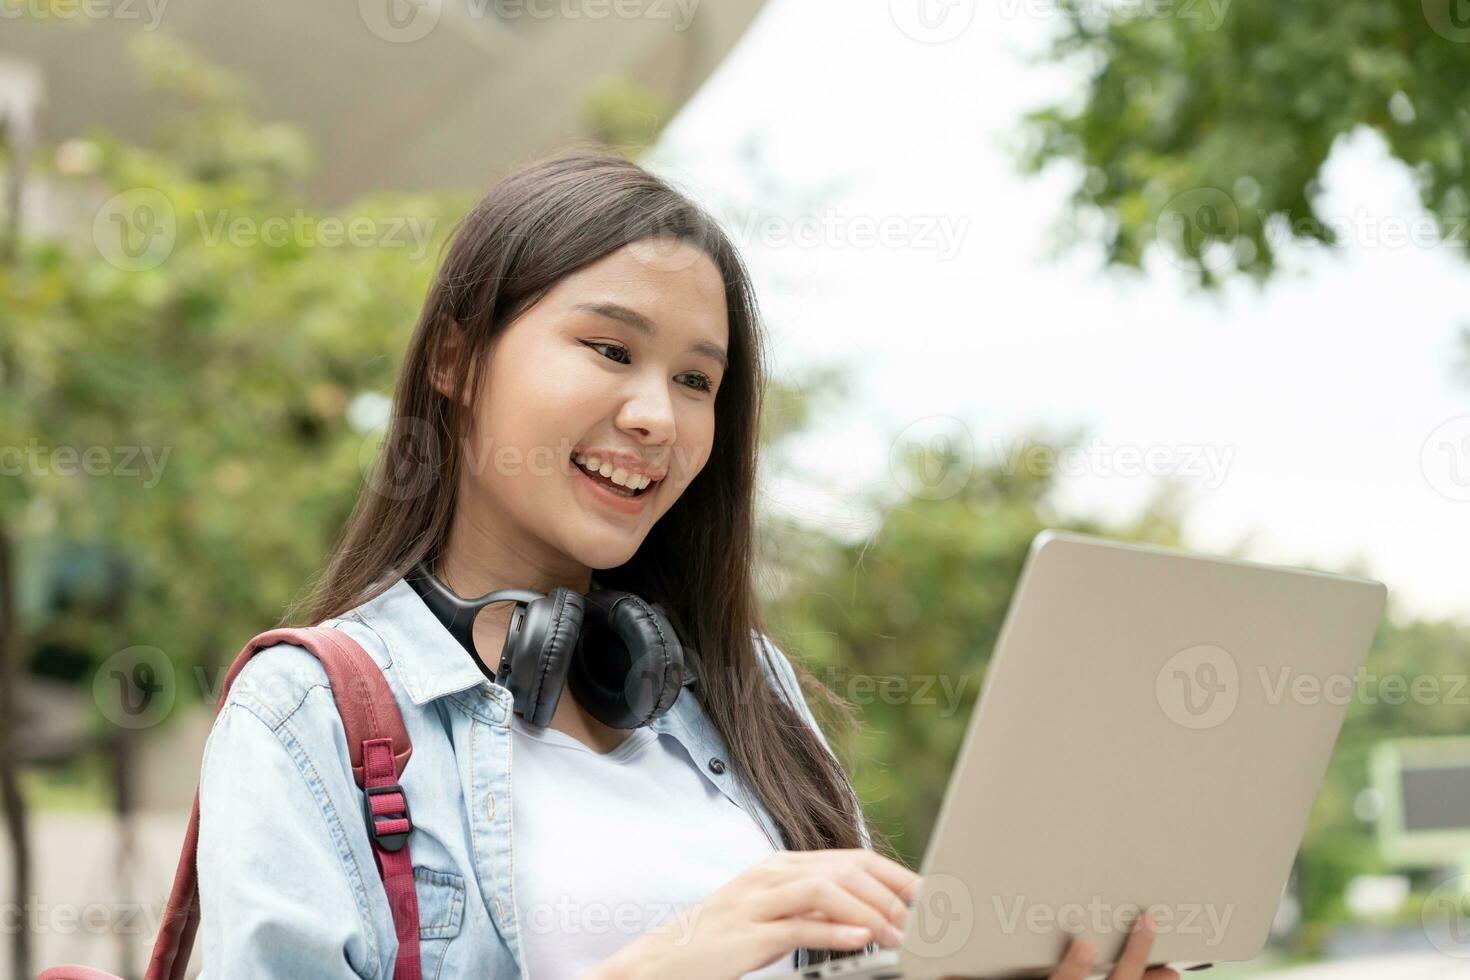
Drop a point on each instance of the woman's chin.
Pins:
(604, 548)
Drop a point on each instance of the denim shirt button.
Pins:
(490, 807)
(716, 766)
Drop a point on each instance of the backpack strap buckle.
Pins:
(390, 824)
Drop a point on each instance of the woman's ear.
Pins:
(446, 353)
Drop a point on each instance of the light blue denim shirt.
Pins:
(287, 882)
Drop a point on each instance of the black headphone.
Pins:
(634, 673)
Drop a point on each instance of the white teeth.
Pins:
(617, 475)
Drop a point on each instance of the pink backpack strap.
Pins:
(378, 747)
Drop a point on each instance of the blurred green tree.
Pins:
(1205, 124)
(191, 370)
(222, 351)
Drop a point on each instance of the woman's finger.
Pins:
(903, 881)
(897, 877)
(1134, 959)
(868, 888)
(796, 898)
(788, 934)
(1078, 961)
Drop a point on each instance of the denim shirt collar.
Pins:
(429, 661)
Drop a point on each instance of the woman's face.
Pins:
(576, 377)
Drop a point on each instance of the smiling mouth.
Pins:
(607, 483)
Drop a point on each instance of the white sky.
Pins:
(1316, 397)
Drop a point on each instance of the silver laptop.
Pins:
(1152, 731)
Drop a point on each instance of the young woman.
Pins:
(586, 315)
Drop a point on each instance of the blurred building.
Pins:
(395, 94)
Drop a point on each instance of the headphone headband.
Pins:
(455, 612)
(543, 648)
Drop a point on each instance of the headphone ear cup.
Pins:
(629, 667)
(542, 652)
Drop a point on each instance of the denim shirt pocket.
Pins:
(441, 896)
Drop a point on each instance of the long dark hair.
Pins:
(543, 221)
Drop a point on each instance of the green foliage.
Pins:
(623, 112)
(1206, 124)
(203, 339)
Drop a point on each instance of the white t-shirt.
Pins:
(609, 846)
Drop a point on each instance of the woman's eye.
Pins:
(617, 347)
(702, 384)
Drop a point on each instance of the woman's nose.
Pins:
(650, 413)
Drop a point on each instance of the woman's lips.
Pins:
(604, 496)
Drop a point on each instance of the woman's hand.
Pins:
(1132, 962)
(825, 899)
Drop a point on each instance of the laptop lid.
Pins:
(1152, 731)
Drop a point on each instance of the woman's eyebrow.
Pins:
(638, 321)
